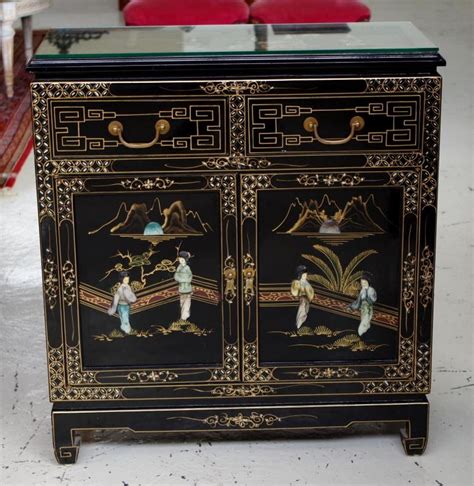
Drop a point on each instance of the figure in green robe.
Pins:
(365, 303)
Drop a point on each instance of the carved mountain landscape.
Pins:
(327, 220)
(138, 219)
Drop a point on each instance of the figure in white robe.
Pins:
(184, 276)
(301, 289)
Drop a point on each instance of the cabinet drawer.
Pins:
(350, 123)
(141, 126)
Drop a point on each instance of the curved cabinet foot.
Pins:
(415, 434)
(66, 441)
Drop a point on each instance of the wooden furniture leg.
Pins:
(7, 35)
(27, 26)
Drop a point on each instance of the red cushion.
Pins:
(185, 12)
(308, 11)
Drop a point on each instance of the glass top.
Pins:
(241, 39)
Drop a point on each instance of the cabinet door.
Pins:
(146, 265)
(330, 262)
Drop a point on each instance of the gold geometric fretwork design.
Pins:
(251, 370)
(420, 377)
(409, 180)
(62, 391)
(45, 167)
(230, 370)
(226, 185)
(250, 185)
(431, 87)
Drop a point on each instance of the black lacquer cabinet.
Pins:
(239, 235)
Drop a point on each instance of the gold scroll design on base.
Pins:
(254, 420)
(431, 87)
(50, 280)
(45, 168)
(251, 370)
(426, 276)
(60, 391)
(420, 382)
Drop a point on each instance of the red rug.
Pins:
(15, 115)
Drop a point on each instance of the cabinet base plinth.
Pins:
(69, 422)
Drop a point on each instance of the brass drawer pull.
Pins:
(161, 128)
(311, 125)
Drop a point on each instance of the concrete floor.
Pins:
(373, 459)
